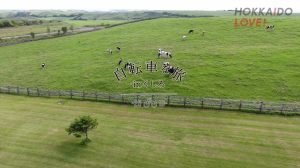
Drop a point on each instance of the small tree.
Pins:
(81, 126)
(32, 34)
(64, 30)
(71, 28)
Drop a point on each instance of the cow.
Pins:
(168, 68)
(184, 37)
(191, 31)
(120, 61)
(270, 27)
(166, 64)
(43, 65)
(109, 51)
(118, 49)
(164, 54)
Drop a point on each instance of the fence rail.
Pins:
(170, 100)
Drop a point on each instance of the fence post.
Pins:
(241, 105)
(28, 92)
(18, 90)
(96, 94)
(49, 93)
(282, 108)
(109, 97)
(122, 99)
(221, 104)
(38, 92)
(8, 89)
(168, 100)
(202, 103)
(184, 102)
(83, 95)
(261, 106)
(71, 94)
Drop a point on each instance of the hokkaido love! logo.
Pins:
(255, 16)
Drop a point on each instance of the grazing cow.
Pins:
(43, 65)
(109, 51)
(171, 70)
(166, 64)
(168, 68)
(191, 31)
(270, 27)
(184, 37)
(119, 49)
(164, 54)
(120, 61)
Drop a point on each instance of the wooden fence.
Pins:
(170, 100)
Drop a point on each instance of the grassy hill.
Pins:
(106, 15)
(54, 25)
(228, 62)
(33, 135)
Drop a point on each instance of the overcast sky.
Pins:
(146, 4)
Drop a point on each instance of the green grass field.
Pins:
(21, 30)
(83, 23)
(33, 136)
(228, 62)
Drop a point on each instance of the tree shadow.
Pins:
(71, 148)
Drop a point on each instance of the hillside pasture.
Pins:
(227, 62)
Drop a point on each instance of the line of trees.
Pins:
(64, 30)
(20, 22)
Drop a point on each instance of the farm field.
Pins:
(84, 23)
(33, 135)
(22, 30)
(228, 62)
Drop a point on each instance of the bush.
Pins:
(64, 30)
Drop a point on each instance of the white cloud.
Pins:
(146, 4)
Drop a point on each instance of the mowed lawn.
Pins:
(33, 136)
(228, 62)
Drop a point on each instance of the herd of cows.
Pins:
(161, 53)
(167, 67)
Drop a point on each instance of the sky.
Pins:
(105, 5)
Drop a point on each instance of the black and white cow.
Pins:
(110, 51)
(191, 31)
(118, 49)
(164, 54)
(43, 65)
(120, 61)
(168, 68)
(270, 27)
